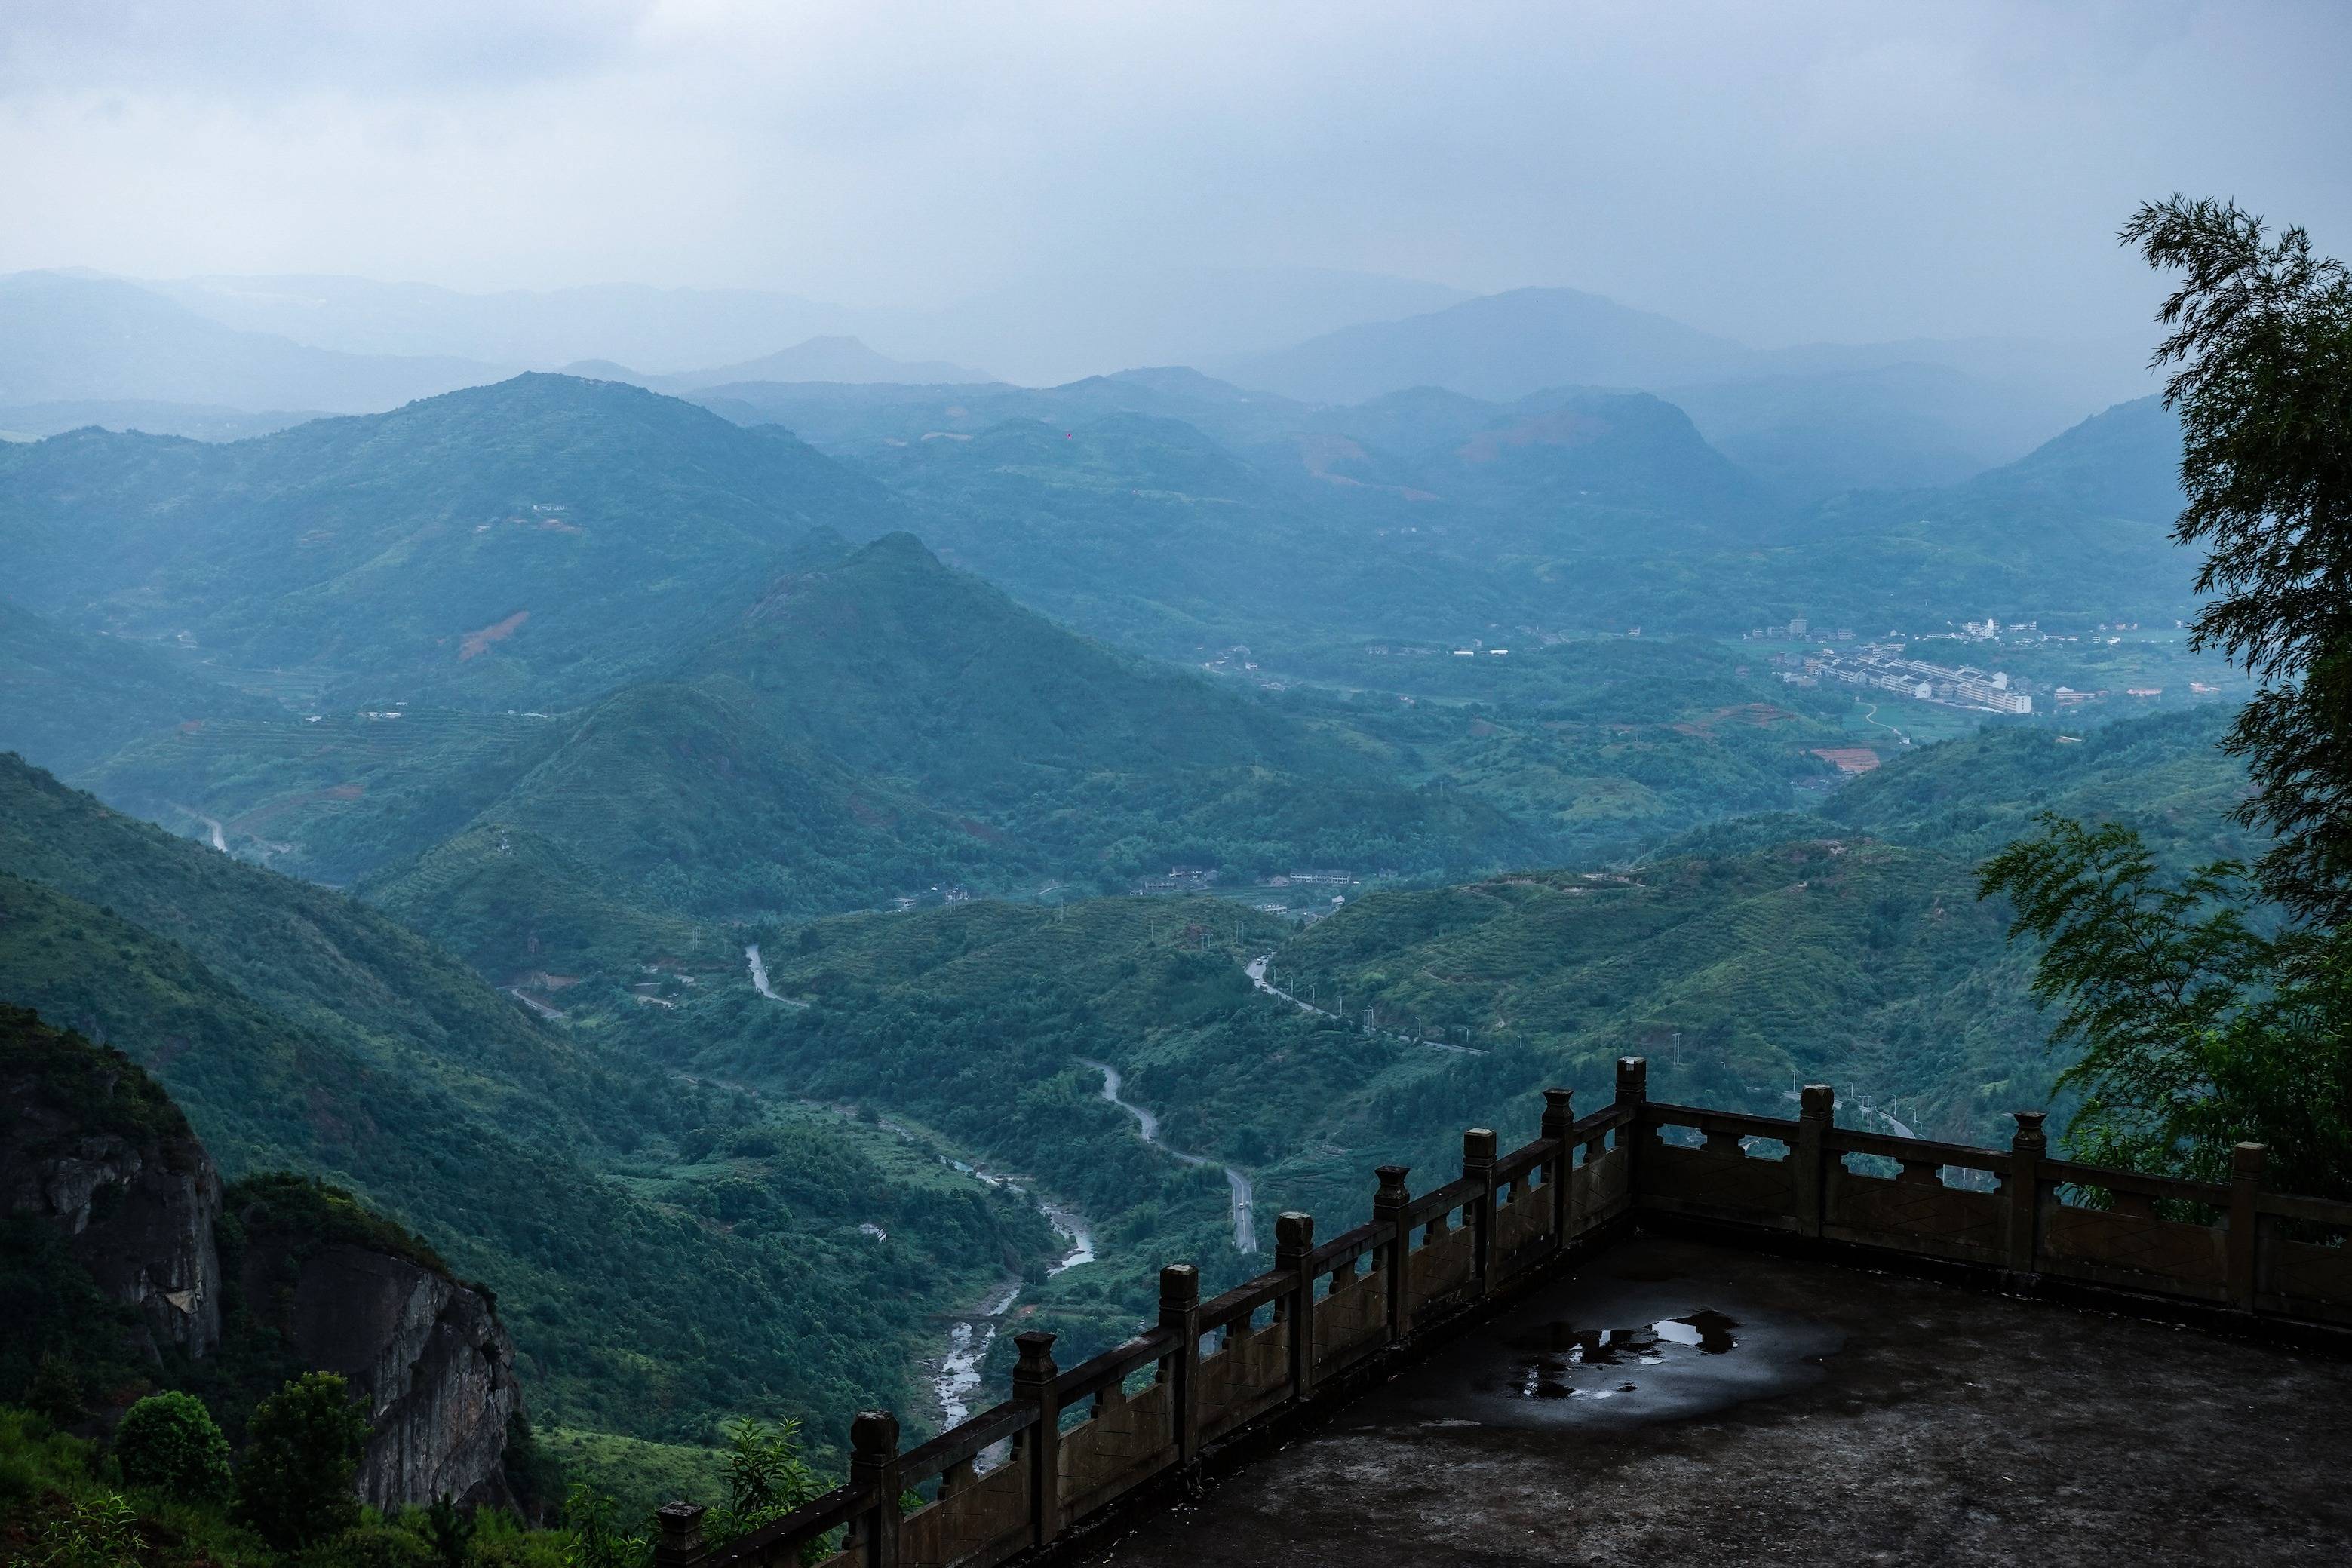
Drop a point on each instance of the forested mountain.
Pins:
(300, 1030)
(526, 545)
(883, 723)
(1847, 946)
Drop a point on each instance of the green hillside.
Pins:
(667, 1252)
(884, 726)
(530, 544)
(68, 698)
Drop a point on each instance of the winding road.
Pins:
(211, 827)
(1255, 969)
(1146, 1126)
(760, 977)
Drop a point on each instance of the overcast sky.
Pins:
(1779, 172)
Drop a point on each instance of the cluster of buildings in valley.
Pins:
(1797, 626)
(1884, 668)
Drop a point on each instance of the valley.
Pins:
(682, 854)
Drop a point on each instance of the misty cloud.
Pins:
(1779, 173)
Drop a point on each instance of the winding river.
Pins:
(1146, 1126)
(958, 1377)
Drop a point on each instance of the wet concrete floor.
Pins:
(1679, 1402)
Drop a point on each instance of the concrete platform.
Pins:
(1683, 1403)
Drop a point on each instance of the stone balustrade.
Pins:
(1142, 1414)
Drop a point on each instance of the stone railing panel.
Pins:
(1719, 1179)
(2306, 1280)
(977, 1520)
(1351, 1321)
(1522, 1229)
(1247, 1375)
(1126, 1440)
(2134, 1249)
(1596, 1192)
(1439, 1270)
(1914, 1212)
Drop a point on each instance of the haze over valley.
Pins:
(762, 766)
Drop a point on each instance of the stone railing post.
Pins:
(2027, 1146)
(2245, 1225)
(1293, 1242)
(1478, 1165)
(1816, 1114)
(1633, 1089)
(679, 1543)
(1558, 1116)
(1396, 1257)
(874, 1462)
(1032, 1381)
(1180, 1314)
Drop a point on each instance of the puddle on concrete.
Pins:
(1558, 1353)
(1553, 1362)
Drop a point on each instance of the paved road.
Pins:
(760, 977)
(1146, 1124)
(1255, 970)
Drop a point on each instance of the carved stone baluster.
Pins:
(1033, 1382)
(1388, 1209)
(1180, 1314)
(2245, 1225)
(1478, 1165)
(2027, 1147)
(874, 1463)
(1294, 1241)
(1558, 1116)
(1633, 1089)
(1816, 1113)
(680, 1542)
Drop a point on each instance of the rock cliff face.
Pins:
(94, 1148)
(89, 1143)
(436, 1366)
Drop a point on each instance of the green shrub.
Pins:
(294, 1486)
(372, 1542)
(168, 1441)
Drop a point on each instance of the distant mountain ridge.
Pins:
(71, 338)
(838, 359)
(1497, 347)
(527, 543)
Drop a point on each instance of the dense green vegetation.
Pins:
(1167, 510)
(73, 698)
(2213, 1007)
(632, 1223)
(583, 691)
(526, 545)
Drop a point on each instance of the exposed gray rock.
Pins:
(138, 1216)
(433, 1361)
